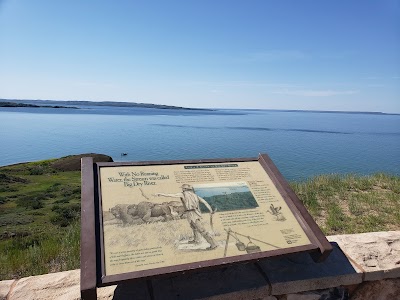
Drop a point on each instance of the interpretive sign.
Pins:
(145, 219)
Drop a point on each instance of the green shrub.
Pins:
(54, 187)
(15, 219)
(36, 170)
(65, 215)
(32, 202)
(62, 201)
(7, 189)
(37, 213)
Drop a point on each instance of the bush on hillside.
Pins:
(65, 215)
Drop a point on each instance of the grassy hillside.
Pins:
(352, 204)
(40, 206)
(39, 216)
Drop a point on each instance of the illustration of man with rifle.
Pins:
(191, 203)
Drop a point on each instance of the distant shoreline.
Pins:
(321, 111)
(14, 104)
(47, 103)
(70, 103)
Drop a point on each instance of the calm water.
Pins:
(302, 144)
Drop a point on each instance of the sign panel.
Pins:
(144, 219)
(167, 215)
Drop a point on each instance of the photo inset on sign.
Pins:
(226, 196)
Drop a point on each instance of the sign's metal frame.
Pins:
(92, 246)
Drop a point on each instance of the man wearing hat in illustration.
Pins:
(191, 203)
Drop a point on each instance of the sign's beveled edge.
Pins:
(314, 233)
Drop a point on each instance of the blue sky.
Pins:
(327, 55)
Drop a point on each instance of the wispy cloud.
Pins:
(278, 88)
(376, 85)
(95, 84)
(276, 55)
(239, 84)
(315, 93)
(371, 78)
(338, 55)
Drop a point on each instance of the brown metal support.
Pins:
(88, 232)
(88, 294)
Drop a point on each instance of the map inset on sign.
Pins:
(167, 215)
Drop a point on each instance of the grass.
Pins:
(351, 203)
(40, 206)
(39, 219)
(38, 254)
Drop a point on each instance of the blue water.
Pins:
(302, 144)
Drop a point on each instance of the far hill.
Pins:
(19, 104)
(97, 103)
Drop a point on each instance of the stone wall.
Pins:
(361, 266)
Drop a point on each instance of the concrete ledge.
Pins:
(362, 266)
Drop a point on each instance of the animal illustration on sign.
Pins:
(276, 212)
(147, 212)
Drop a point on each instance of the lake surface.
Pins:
(302, 144)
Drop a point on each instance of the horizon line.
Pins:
(217, 108)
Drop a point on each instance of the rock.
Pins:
(376, 253)
(73, 162)
(387, 289)
(308, 296)
(336, 293)
(5, 287)
(61, 286)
